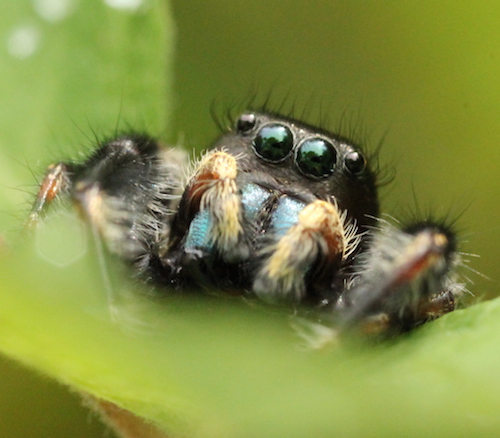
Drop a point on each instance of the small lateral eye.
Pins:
(316, 157)
(273, 142)
(355, 162)
(246, 122)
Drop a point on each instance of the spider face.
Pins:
(304, 160)
(275, 209)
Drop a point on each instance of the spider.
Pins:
(275, 209)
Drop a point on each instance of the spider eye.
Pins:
(273, 143)
(355, 162)
(246, 122)
(316, 157)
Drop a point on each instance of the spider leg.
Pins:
(436, 306)
(126, 190)
(56, 181)
(404, 279)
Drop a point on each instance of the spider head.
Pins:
(285, 155)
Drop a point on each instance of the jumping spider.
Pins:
(276, 209)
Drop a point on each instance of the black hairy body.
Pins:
(275, 209)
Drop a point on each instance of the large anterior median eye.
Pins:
(273, 142)
(316, 157)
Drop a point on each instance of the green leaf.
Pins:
(207, 366)
(73, 72)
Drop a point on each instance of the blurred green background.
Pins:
(422, 76)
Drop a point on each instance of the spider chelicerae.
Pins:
(275, 209)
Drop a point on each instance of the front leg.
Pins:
(57, 181)
(126, 190)
(404, 279)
